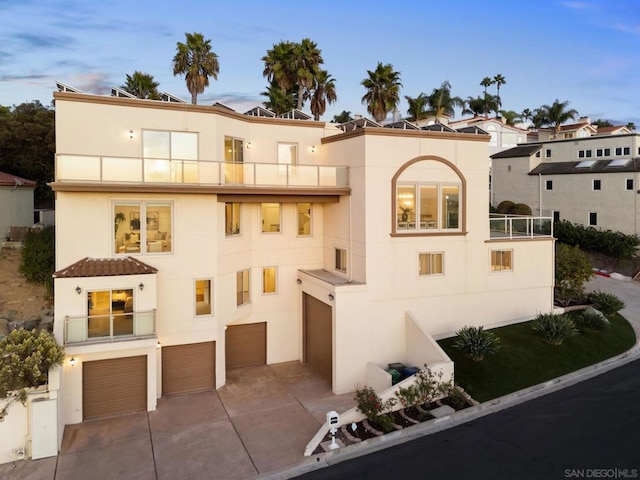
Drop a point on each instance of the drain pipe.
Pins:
(350, 276)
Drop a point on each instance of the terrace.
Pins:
(515, 227)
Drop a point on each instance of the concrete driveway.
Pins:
(259, 422)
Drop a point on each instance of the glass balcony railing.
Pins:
(102, 170)
(519, 226)
(109, 328)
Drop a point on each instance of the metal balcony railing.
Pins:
(519, 226)
(131, 170)
(109, 328)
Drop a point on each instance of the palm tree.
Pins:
(383, 90)
(197, 62)
(499, 80)
(481, 106)
(486, 82)
(631, 126)
(556, 113)
(307, 63)
(324, 91)
(526, 114)
(417, 107)
(442, 103)
(342, 117)
(142, 85)
(510, 116)
(538, 118)
(279, 101)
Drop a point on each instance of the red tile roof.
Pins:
(611, 129)
(105, 267)
(8, 180)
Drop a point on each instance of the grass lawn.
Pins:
(524, 359)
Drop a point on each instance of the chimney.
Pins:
(396, 115)
(357, 116)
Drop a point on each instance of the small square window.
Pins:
(629, 183)
(597, 185)
(538, 154)
(549, 185)
(430, 264)
(548, 153)
(243, 292)
(203, 297)
(556, 216)
(626, 151)
(269, 280)
(501, 260)
(588, 153)
(599, 152)
(607, 152)
(618, 150)
(341, 260)
(593, 219)
(580, 153)
(508, 168)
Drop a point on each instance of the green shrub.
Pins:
(609, 242)
(521, 209)
(591, 319)
(456, 398)
(377, 411)
(505, 206)
(475, 343)
(606, 302)
(573, 269)
(554, 328)
(25, 359)
(38, 256)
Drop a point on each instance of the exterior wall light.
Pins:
(158, 345)
(331, 297)
(78, 290)
(130, 133)
(141, 286)
(72, 362)
(299, 282)
(313, 149)
(248, 145)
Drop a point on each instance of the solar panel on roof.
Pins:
(586, 164)
(619, 162)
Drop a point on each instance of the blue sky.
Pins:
(587, 52)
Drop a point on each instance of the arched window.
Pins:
(428, 198)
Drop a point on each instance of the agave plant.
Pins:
(606, 302)
(476, 343)
(554, 328)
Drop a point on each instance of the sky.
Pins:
(586, 52)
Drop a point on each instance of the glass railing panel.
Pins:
(117, 169)
(209, 173)
(157, 170)
(328, 177)
(269, 174)
(76, 167)
(303, 175)
(144, 324)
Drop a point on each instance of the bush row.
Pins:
(609, 242)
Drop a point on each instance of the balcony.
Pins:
(515, 227)
(149, 171)
(109, 328)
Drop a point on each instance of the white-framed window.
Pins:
(243, 291)
(428, 207)
(501, 260)
(548, 185)
(232, 218)
(629, 183)
(607, 152)
(599, 152)
(618, 150)
(287, 156)
(547, 153)
(234, 160)
(597, 184)
(593, 219)
(142, 226)
(270, 217)
(538, 154)
(170, 157)
(304, 219)
(110, 313)
(203, 296)
(341, 260)
(584, 153)
(556, 215)
(431, 263)
(269, 280)
(626, 151)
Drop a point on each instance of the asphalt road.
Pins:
(589, 430)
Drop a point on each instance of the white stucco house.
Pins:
(16, 203)
(193, 239)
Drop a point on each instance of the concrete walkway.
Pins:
(259, 422)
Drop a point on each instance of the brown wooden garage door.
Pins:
(188, 368)
(318, 335)
(246, 345)
(114, 386)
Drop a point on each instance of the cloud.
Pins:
(576, 5)
(26, 78)
(91, 82)
(35, 40)
(633, 29)
(240, 102)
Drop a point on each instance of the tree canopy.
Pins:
(195, 60)
(383, 90)
(142, 85)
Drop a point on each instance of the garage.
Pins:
(188, 368)
(318, 336)
(114, 386)
(246, 345)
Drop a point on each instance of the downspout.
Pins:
(350, 270)
(540, 194)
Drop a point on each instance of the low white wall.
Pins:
(378, 378)
(422, 349)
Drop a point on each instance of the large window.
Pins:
(203, 297)
(110, 313)
(142, 227)
(425, 207)
(501, 260)
(231, 218)
(234, 160)
(243, 293)
(170, 156)
(304, 219)
(269, 280)
(270, 217)
(341, 260)
(287, 156)
(430, 264)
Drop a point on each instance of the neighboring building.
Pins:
(16, 203)
(502, 135)
(192, 239)
(589, 181)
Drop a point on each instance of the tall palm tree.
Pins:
(383, 90)
(342, 117)
(278, 65)
(324, 91)
(499, 80)
(142, 85)
(631, 126)
(480, 105)
(417, 107)
(442, 103)
(279, 101)
(307, 63)
(510, 116)
(195, 60)
(557, 113)
(526, 114)
(486, 82)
